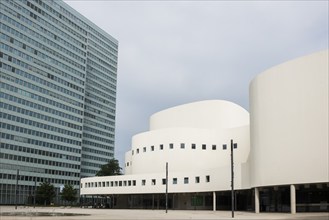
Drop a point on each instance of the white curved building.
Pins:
(281, 164)
(194, 139)
(190, 137)
(289, 132)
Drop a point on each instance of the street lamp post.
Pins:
(35, 191)
(233, 145)
(166, 187)
(16, 189)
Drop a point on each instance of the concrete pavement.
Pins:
(102, 214)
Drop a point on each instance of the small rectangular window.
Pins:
(182, 145)
(207, 178)
(144, 149)
(164, 181)
(137, 151)
(143, 182)
(193, 146)
(161, 146)
(134, 182)
(153, 182)
(152, 148)
(174, 181)
(171, 146)
(204, 147)
(197, 179)
(224, 146)
(235, 145)
(214, 147)
(185, 180)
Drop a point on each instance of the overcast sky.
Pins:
(176, 52)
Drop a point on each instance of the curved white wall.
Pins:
(206, 124)
(204, 114)
(289, 123)
(210, 123)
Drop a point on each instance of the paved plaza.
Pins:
(62, 213)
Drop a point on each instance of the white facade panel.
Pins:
(205, 114)
(193, 148)
(289, 123)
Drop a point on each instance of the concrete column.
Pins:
(256, 200)
(214, 200)
(153, 202)
(292, 199)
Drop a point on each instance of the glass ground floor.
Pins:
(309, 198)
(286, 198)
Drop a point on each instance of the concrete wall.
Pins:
(208, 123)
(289, 123)
(210, 114)
(185, 159)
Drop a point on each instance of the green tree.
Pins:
(112, 168)
(69, 193)
(45, 193)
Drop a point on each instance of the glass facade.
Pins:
(57, 99)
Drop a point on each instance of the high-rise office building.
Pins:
(58, 97)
